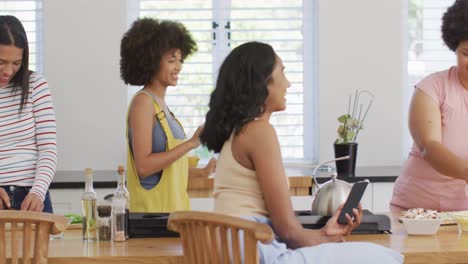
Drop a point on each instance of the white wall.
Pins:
(359, 46)
(81, 63)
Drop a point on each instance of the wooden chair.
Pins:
(214, 238)
(35, 227)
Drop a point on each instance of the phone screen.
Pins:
(354, 197)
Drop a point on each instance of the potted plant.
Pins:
(350, 125)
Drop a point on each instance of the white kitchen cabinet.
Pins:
(69, 200)
(367, 199)
(382, 194)
(376, 199)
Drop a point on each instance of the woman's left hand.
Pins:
(32, 202)
(332, 228)
(195, 139)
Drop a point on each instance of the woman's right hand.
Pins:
(332, 228)
(195, 139)
(4, 199)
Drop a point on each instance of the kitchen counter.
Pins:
(373, 173)
(300, 180)
(445, 247)
(297, 175)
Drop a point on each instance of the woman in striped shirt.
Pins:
(28, 151)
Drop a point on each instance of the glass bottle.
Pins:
(122, 193)
(118, 219)
(104, 221)
(88, 205)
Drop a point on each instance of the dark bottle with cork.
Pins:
(104, 221)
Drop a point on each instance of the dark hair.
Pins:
(240, 93)
(12, 33)
(455, 24)
(144, 44)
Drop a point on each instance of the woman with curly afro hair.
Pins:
(435, 175)
(250, 179)
(152, 53)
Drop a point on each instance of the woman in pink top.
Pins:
(436, 172)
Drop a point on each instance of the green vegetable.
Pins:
(74, 218)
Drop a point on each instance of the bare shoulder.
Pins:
(258, 131)
(255, 139)
(423, 104)
(142, 103)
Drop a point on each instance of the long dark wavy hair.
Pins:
(12, 33)
(240, 93)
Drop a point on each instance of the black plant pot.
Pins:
(346, 168)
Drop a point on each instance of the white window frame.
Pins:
(310, 75)
(37, 52)
(434, 55)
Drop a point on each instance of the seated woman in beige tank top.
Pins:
(250, 179)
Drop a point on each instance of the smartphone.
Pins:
(354, 197)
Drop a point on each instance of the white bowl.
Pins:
(421, 226)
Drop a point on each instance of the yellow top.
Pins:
(170, 194)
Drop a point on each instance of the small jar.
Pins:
(118, 220)
(104, 222)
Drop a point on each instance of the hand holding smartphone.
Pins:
(354, 197)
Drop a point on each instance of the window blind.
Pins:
(278, 23)
(29, 12)
(220, 26)
(427, 52)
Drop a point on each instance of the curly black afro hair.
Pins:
(455, 24)
(144, 44)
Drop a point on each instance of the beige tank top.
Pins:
(236, 188)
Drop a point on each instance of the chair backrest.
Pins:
(214, 238)
(35, 227)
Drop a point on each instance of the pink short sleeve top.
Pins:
(419, 185)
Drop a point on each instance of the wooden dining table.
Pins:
(73, 250)
(447, 246)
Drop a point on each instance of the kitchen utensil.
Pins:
(331, 194)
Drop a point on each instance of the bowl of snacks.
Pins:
(419, 221)
(461, 217)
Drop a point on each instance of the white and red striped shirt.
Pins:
(28, 142)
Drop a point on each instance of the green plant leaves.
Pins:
(341, 129)
(352, 122)
(343, 118)
(347, 131)
(74, 218)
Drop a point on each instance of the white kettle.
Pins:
(331, 194)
